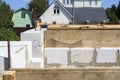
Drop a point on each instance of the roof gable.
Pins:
(23, 9)
(59, 4)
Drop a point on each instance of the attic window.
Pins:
(63, 1)
(22, 15)
(56, 9)
(90, 2)
(95, 2)
(67, 2)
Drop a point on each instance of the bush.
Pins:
(7, 34)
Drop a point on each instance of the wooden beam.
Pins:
(9, 65)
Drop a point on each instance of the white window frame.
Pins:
(56, 10)
(67, 2)
(96, 2)
(90, 2)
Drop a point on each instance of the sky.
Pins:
(17, 4)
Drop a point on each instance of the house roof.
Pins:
(60, 4)
(94, 15)
(63, 7)
(82, 14)
(22, 9)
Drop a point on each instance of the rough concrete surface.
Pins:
(1, 74)
(69, 74)
(0, 78)
(20, 52)
(82, 38)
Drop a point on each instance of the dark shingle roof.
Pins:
(94, 15)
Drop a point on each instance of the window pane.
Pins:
(95, 2)
(54, 11)
(22, 15)
(67, 1)
(90, 2)
(58, 11)
(70, 1)
(63, 1)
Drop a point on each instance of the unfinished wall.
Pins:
(37, 38)
(69, 74)
(82, 38)
(82, 57)
(20, 54)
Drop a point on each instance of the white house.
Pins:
(74, 11)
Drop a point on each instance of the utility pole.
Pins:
(73, 12)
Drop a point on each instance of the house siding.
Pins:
(22, 22)
(50, 17)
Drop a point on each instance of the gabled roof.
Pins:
(63, 7)
(82, 14)
(94, 15)
(22, 9)
(60, 4)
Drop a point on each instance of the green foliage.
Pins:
(5, 15)
(113, 13)
(7, 34)
(0, 2)
(38, 6)
(118, 10)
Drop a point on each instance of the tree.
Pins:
(118, 10)
(114, 8)
(111, 15)
(7, 34)
(38, 6)
(0, 2)
(5, 15)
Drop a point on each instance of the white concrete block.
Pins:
(21, 54)
(1, 63)
(107, 55)
(56, 55)
(81, 55)
(37, 38)
(3, 49)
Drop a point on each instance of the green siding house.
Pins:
(22, 18)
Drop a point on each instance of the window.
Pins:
(56, 9)
(22, 15)
(67, 2)
(63, 1)
(90, 2)
(27, 25)
(95, 2)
